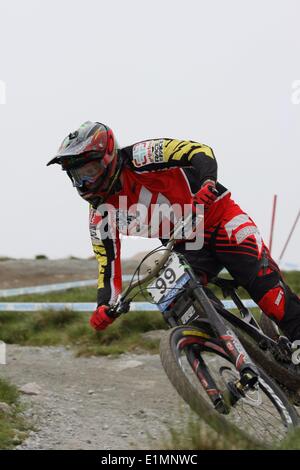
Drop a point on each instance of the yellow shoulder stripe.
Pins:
(180, 149)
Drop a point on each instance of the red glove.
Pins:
(100, 320)
(206, 195)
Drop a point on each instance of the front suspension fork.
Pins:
(247, 369)
(208, 383)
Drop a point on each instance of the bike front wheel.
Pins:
(263, 414)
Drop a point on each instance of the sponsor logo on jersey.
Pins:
(157, 150)
(148, 152)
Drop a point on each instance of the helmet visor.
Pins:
(89, 137)
(87, 174)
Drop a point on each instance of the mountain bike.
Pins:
(222, 364)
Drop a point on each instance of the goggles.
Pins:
(87, 174)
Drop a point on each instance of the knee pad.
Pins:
(273, 303)
(262, 284)
(276, 300)
(270, 293)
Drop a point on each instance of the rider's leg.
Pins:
(277, 300)
(203, 262)
(239, 246)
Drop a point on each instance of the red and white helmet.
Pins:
(90, 157)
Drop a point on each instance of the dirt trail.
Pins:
(23, 272)
(96, 402)
(27, 272)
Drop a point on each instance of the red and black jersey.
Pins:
(155, 172)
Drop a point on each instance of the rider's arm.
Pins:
(107, 252)
(160, 154)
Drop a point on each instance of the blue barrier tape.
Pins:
(89, 306)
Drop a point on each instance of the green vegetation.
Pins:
(8, 393)
(48, 328)
(70, 328)
(292, 278)
(82, 294)
(79, 294)
(195, 434)
(13, 428)
(126, 334)
(89, 294)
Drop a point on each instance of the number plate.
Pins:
(171, 278)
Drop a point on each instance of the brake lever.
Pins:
(120, 308)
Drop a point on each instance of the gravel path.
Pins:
(93, 403)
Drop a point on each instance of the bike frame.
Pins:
(231, 343)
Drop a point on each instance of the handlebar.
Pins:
(123, 304)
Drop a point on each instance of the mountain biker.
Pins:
(169, 171)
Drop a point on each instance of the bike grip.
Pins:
(117, 310)
(112, 311)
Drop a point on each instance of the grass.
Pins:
(292, 278)
(89, 294)
(47, 328)
(79, 294)
(8, 393)
(13, 428)
(69, 328)
(50, 328)
(195, 434)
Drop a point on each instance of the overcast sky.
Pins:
(218, 72)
